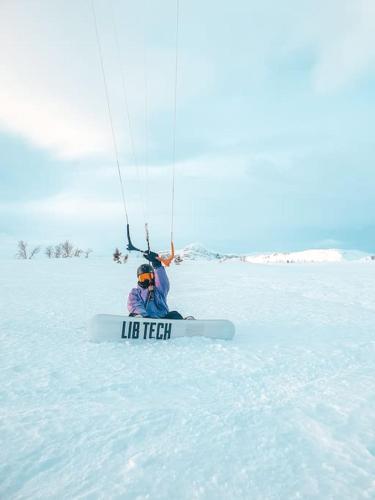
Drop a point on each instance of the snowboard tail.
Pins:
(117, 328)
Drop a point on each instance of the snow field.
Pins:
(285, 410)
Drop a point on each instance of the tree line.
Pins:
(63, 250)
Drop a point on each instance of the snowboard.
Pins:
(116, 328)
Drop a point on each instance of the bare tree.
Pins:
(49, 251)
(34, 251)
(125, 258)
(66, 249)
(23, 253)
(22, 250)
(117, 256)
(87, 252)
(62, 250)
(57, 251)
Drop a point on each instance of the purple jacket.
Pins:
(155, 308)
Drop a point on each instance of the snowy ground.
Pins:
(284, 411)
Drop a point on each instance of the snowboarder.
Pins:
(149, 298)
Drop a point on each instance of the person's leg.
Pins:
(173, 315)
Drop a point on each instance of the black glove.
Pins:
(153, 258)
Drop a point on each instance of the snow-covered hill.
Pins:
(196, 251)
(305, 257)
(368, 258)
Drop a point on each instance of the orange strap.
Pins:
(167, 260)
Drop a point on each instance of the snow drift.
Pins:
(284, 411)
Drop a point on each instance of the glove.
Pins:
(153, 258)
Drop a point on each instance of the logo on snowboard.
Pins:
(146, 330)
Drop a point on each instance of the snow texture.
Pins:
(284, 411)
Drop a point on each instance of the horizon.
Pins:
(191, 246)
(274, 124)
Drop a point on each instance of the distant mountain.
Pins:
(197, 251)
(305, 256)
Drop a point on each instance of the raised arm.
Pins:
(161, 280)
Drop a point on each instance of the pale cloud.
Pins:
(205, 167)
(345, 48)
(51, 87)
(336, 38)
(44, 92)
(49, 122)
(329, 243)
(64, 205)
(69, 205)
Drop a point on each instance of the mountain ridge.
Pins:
(197, 251)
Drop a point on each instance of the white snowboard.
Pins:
(111, 328)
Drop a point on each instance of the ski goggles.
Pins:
(145, 276)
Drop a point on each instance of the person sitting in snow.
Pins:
(149, 298)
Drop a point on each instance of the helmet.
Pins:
(145, 274)
(144, 268)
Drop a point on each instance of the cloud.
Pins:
(42, 84)
(51, 87)
(67, 205)
(346, 48)
(48, 122)
(205, 167)
(329, 243)
(332, 42)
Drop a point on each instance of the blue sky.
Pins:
(275, 121)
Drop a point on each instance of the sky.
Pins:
(275, 120)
